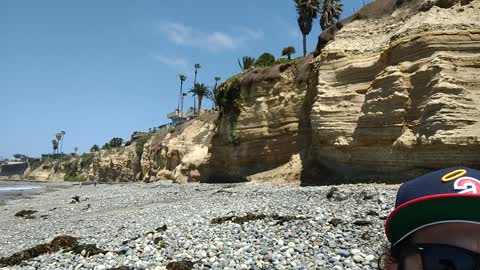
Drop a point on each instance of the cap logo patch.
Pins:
(467, 185)
(453, 175)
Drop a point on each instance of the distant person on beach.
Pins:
(436, 223)
(95, 183)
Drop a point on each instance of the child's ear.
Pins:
(390, 263)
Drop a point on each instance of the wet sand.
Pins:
(24, 189)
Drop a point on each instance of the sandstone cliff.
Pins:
(391, 96)
(166, 155)
(391, 92)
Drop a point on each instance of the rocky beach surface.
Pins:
(197, 226)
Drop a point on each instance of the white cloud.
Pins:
(219, 40)
(177, 32)
(251, 33)
(185, 35)
(176, 63)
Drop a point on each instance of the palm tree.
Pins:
(331, 11)
(200, 90)
(63, 135)
(75, 149)
(289, 51)
(54, 145)
(307, 11)
(197, 67)
(217, 79)
(183, 78)
(58, 136)
(247, 62)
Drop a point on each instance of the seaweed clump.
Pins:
(253, 217)
(58, 243)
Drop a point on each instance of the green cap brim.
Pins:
(431, 210)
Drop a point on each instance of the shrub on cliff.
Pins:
(140, 143)
(94, 148)
(86, 160)
(265, 60)
(115, 142)
(229, 94)
(288, 51)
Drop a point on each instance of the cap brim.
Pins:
(430, 210)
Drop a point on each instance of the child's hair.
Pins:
(392, 254)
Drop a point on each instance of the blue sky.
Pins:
(103, 69)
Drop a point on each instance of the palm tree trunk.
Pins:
(304, 45)
(181, 98)
(199, 104)
(61, 146)
(195, 80)
(194, 104)
(214, 100)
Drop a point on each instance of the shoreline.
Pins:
(125, 220)
(45, 187)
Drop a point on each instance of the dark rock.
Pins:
(161, 229)
(181, 265)
(75, 199)
(363, 222)
(26, 214)
(331, 192)
(157, 240)
(335, 221)
(124, 268)
(367, 196)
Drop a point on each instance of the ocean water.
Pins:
(6, 188)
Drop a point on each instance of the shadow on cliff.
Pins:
(254, 129)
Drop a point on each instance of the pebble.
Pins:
(127, 222)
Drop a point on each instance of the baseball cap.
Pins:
(448, 195)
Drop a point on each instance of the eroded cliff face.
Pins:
(268, 126)
(392, 96)
(178, 155)
(166, 155)
(401, 93)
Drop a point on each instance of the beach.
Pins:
(11, 190)
(221, 226)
